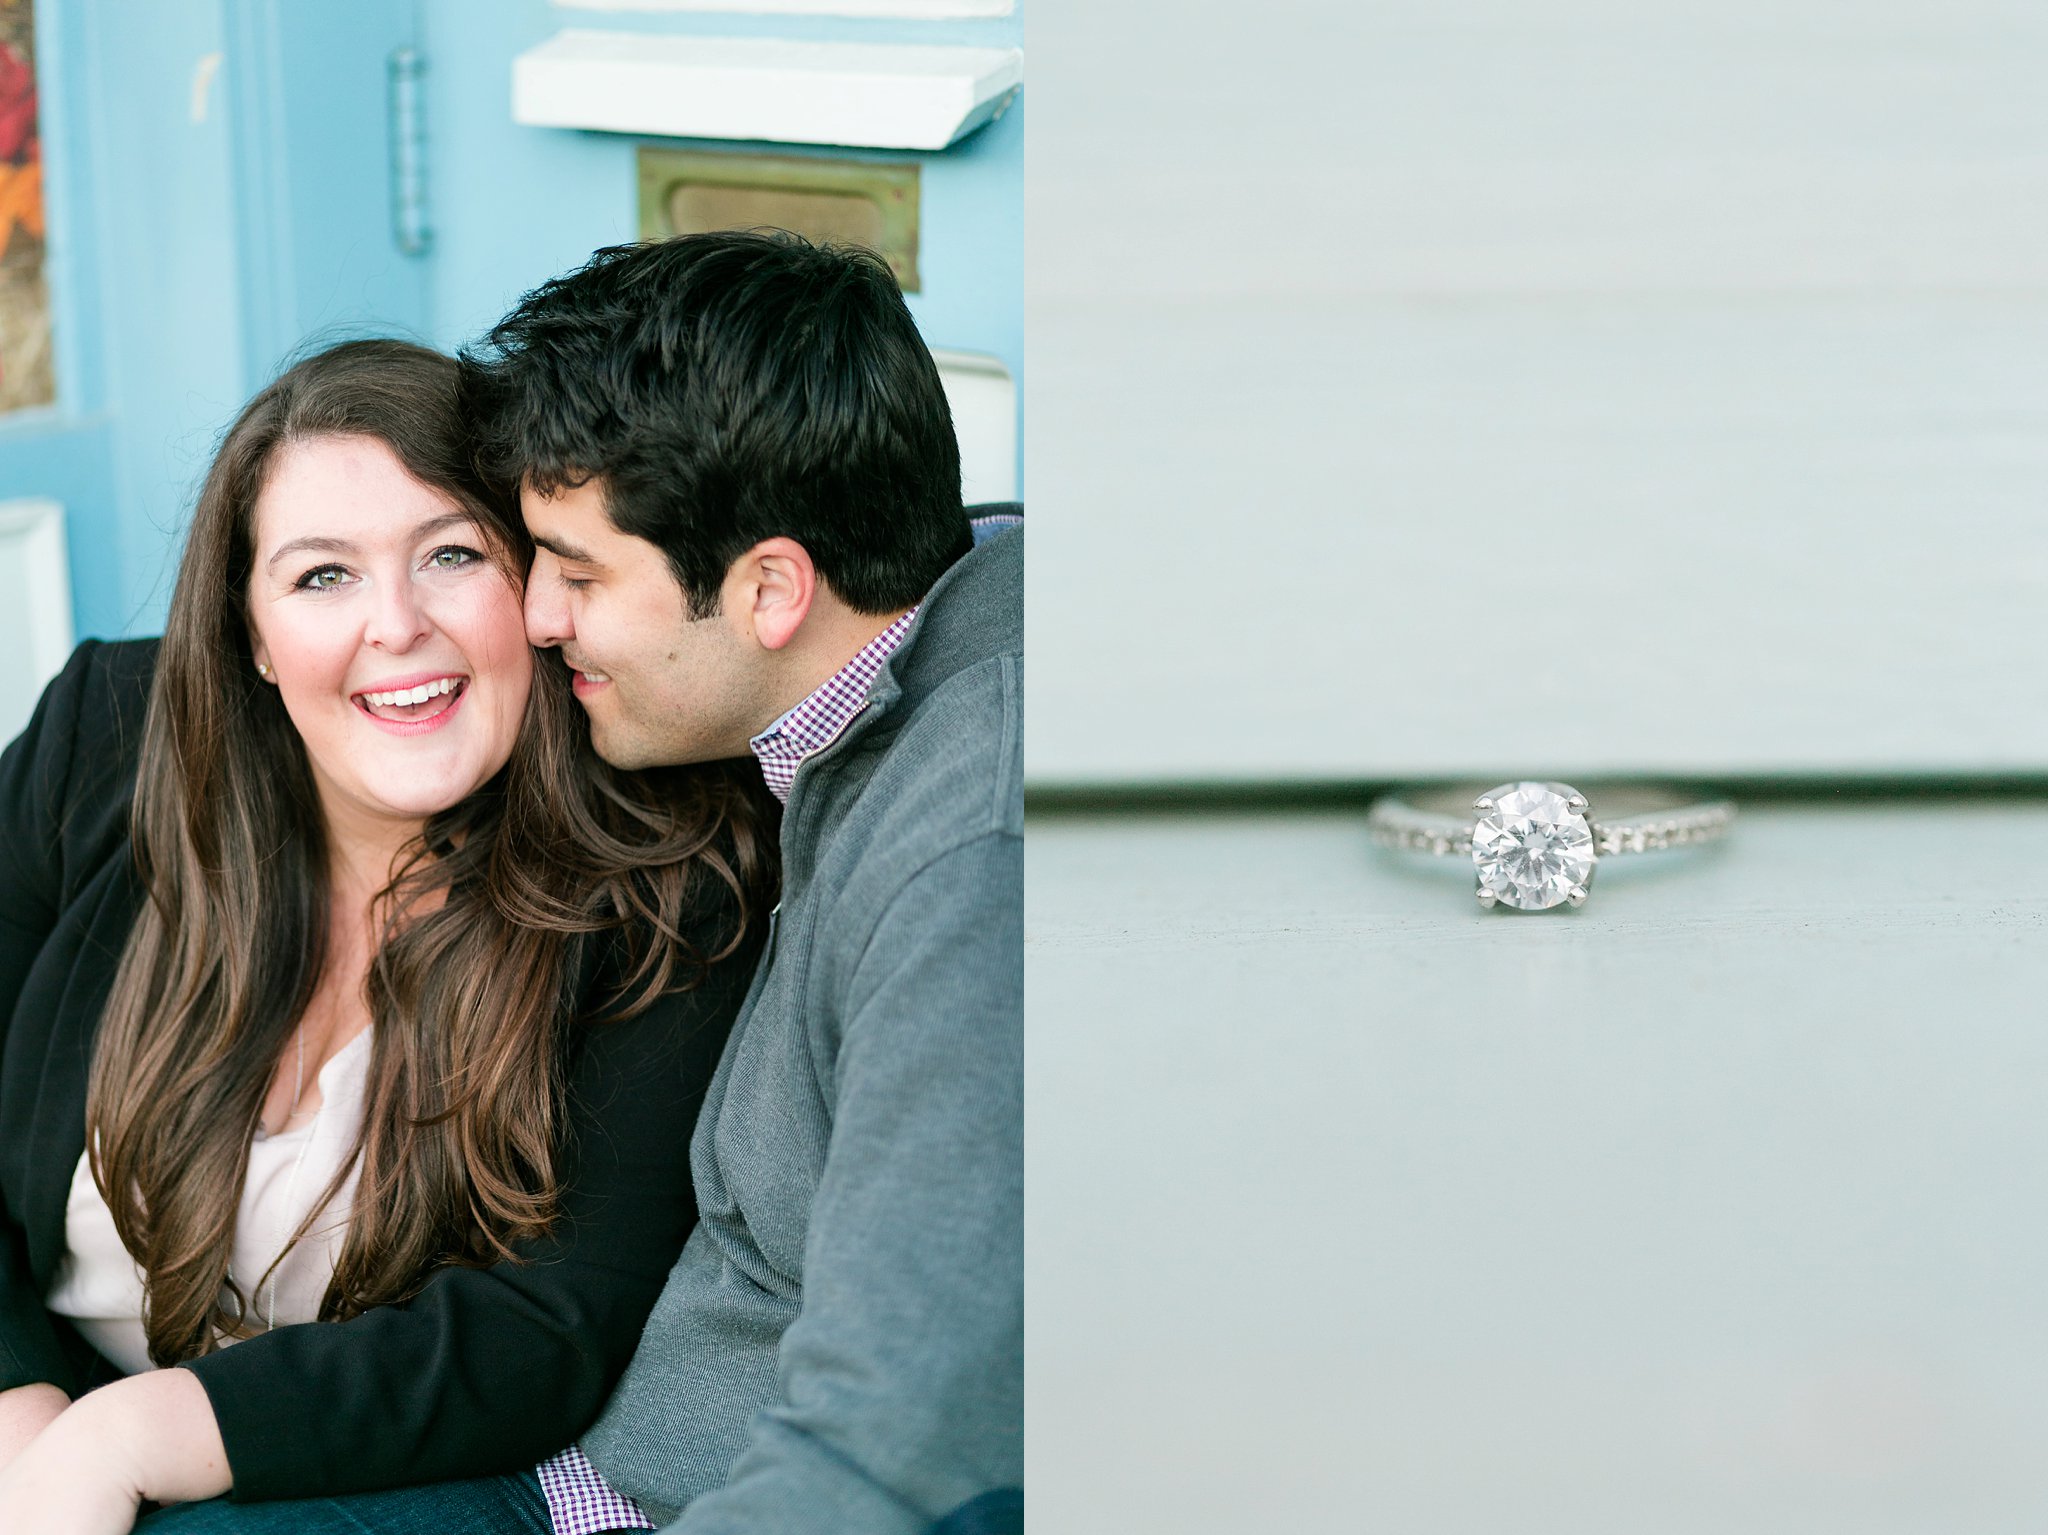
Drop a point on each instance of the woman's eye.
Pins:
(453, 557)
(322, 578)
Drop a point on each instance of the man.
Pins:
(740, 472)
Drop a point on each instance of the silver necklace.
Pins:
(298, 1075)
(298, 1087)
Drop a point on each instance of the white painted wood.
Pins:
(983, 399)
(1698, 346)
(916, 10)
(793, 92)
(35, 606)
(1711, 1207)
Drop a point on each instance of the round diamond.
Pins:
(1532, 849)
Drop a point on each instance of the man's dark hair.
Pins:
(727, 388)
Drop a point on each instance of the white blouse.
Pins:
(99, 1286)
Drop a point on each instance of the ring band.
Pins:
(1536, 845)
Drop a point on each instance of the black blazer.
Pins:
(486, 1370)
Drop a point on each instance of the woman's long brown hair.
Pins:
(485, 926)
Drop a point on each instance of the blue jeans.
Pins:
(491, 1505)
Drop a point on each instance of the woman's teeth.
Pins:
(408, 706)
(418, 695)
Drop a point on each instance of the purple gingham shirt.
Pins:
(581, 1502)
(820, 719)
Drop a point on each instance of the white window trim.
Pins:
(863, 95)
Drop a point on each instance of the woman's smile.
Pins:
(410, 706)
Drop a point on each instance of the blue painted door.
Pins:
(221, 196)
(217, 192)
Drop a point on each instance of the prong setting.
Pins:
(1532, 845)
(1489, 899)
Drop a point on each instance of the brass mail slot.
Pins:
(863, 202)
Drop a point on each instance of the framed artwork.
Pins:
(26, 375)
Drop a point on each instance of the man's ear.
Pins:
(772, 586)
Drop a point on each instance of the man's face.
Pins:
(659, 686)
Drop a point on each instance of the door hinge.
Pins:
(409, 229)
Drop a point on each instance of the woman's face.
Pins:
(395, 642)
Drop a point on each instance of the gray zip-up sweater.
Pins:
(840, 1347)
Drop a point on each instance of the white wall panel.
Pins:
(982, 397)
(35, 606)
(1593, 390)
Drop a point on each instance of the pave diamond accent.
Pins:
(1653, 834)
(1532, 849)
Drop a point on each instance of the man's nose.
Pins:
(547, 603)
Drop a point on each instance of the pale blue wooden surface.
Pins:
(1716, 1206)
(1424, 389)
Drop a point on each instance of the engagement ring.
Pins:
(1536, 845)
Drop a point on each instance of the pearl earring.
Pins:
(262, 669)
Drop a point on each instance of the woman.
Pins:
(340, 985)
